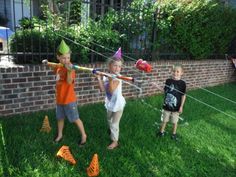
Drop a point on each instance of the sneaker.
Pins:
(174, 137)
(160, 134)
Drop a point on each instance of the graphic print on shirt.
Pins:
(171, 100)
(108, 94)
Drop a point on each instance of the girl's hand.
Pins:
(98, 76)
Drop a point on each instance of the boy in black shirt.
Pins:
(174, 100)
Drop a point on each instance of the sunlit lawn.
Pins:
(207, 145)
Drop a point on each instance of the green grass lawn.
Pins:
(207, 145)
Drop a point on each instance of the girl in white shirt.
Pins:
(114, 100)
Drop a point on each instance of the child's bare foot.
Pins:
(83, 141)
(113, 145)
(57, 139)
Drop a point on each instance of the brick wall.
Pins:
(32, 88)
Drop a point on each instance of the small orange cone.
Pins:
(46, 126)
(93, 169)
(64, 152)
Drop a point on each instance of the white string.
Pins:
(202, 102)
(191, 96)
(234, 102)
(165, 84)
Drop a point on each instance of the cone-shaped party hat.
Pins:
(63, 48)
(118, 54)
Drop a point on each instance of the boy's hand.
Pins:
(180, 110)
(68, 66)
(45, 62)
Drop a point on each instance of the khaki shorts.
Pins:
(167, 115)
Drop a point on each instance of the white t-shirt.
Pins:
(114, 102)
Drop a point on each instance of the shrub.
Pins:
(197, 27)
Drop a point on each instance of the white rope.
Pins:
(156, 84)
(202, 102)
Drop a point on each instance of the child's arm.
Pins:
(183, 98)
(234, 61)
(100, 82)
(69, 77)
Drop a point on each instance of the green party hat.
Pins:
(63, 48)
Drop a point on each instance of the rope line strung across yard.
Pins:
(188, 94)
(138, 88)
(202, 102)
(220, 96)
(206, 104)
(213, 93)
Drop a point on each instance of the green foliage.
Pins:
(198, 28)
(133, 22)
(206, 146)
(47, 34)
(75, 12)
(29, 23)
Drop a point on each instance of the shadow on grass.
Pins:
(230, 128)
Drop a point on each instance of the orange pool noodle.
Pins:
(46, 126)
(93, 169)
(64, 152)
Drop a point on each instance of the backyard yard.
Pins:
(206, 145)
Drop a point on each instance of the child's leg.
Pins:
(60, 126)
(60, 114)
(165, 118)
(114, 121)
(174, 128)
(175, 119)
(80, 126)
(163, 126)
(73, 116)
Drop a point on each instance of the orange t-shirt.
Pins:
(65, 92)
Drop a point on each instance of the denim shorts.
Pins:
(69, 110)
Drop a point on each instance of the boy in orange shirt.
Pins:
(65, 93)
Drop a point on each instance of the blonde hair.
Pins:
(178, 66)
(111, 60)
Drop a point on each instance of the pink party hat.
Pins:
(117, 55)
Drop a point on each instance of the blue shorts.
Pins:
(69, 110)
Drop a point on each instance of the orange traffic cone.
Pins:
(93, 169)
(46, 126)
(64, 152)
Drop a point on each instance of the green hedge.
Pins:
(196, 28)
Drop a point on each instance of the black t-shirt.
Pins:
(174, 90)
